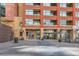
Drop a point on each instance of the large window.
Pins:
(36, 4)
(66, 13)
(32, 12)
(63, 13)
(63, 5)
(77, 14)
(49, 13)
(77, 23)
(2, 9)
(48, 22)
(77, 5)
(29, 21)
(32, 3)
(50, 4)
(29, 12)
(63, 22)
(46, 4)
(36, 21)
(46, 12)
(66, 22)
(29, 3)
(36, 12)
(32, 21)
(66, 5)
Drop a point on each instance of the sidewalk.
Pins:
(39, 43)
(39, 48)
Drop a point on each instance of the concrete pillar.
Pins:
(74, 35)
(42, 32)
(24, 34)
(58, 34)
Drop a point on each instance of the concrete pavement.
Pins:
(39, 48)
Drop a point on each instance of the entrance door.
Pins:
(77, 36)
(50, 34)
(30, 34)
(33, 34)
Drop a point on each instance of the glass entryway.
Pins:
(50, 34)
(32, 34)
(66, 35)
(77, 36)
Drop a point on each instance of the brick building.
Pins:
(46, 20)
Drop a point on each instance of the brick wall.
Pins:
(6, 33)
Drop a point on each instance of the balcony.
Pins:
(66, 22)
(36, 4)
(36, 22)
(35, 12)
(50, 4)
(66, 13)
(32, 22)
(69, 5)
(50, 22)
(66, 5)
(69, 13)
(50, 13)
(33, 4)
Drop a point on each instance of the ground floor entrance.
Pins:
(66, 35)
(77, 36)
(50, 34)
(33, 33)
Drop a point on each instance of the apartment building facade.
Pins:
(47, 20)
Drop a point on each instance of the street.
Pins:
(39, 48)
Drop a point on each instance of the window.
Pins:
(69, 5)
(50, 22)
(29, 21)
(53, 22)
(66, 22)
(36, 3)
(36, 21)
(77, 23)
(32, 12)
(29, 3)
(46, 12)
(46, 22)
(77, 5)
(63, 22)
(54, 13)
(32, 21)
(66, 5)
(29, 12)
(63, 5)
(49, 13)
(77, 14)
(50, 4)
(69, 13)
(53, 4)
(69, 22)
(46, 4)
(36, 12)
(32, 3)
(2, 9)
(63, 13)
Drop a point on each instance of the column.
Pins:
(74, 35)
(24, 34)
(42, 32)
(58, 34)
